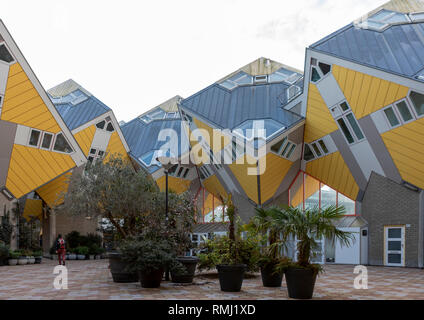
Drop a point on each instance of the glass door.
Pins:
(394, 246)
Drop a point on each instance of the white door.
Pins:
(349, 254)
(394, 247)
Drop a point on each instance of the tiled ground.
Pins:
(92, 280)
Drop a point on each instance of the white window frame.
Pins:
(54, 142)
(51, 142)
(412, 105)
(39, 138)
(343, 115)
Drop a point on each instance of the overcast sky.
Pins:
(134, 55)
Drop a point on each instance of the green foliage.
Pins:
(27, 252)
(218, 251)
(82, 250)
(112, 190)
(147, 254)
(38, 253)
(310, 224)
(4, 250)
(73, 239)
(5, 228)
(15, 254)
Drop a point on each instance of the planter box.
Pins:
(38, 260)
(22, 261)
(81, 257)
(72, 256)
(13, 262)
(31, 260)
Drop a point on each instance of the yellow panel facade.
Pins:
(213, 185)
(248, 182)
(52, 192)
(33, 209)
(406, 145)
(275, 170)
(30, 168)
(333, 171)
(319, 121)
(115, 147)
(23, 105)
(364, 93)
(85, 138)
(175, 184)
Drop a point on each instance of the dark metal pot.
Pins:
(231, 276)
(300, 282)
(190, 264)
(270, 278)
(118, 269)
(151, 279)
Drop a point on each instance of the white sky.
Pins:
(134, 55)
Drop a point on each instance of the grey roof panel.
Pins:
(398, 49)
(142, 137)
(228, 109)
(77, 115)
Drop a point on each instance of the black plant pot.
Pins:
(190, 265)
(231, 276)
(300, 282)
(38, 260)
(150, 279)
(270, 278)
(118, 269)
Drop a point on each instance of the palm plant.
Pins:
(264, 224)
(309, 225)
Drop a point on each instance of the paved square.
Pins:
(92, 280)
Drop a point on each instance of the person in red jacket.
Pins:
(61, 249)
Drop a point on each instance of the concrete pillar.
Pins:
(52, 228)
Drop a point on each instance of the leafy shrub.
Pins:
(73, 239)
(218, 251)
(147, 255)
(38, 253)
(82, 250)
(15, 254)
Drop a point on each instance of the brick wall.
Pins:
(387, 203)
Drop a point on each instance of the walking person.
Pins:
(61, 249)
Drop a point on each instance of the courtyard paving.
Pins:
(92, 280)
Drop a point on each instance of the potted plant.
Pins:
(72, 255)
(38, 256)
(13, 258)
(148, 256)
(180, 225)
(22, 260)
(264, 224)
(231, 272)
(306, 226)
(82, 252)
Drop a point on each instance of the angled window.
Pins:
(417, 16)
(391, 117)
(323, 146)
(147, 158)
(61, 144)
(344, 106)
(286, 148)
(316, 149)
(278, 146)
(34, 138)
(93, 151)
(109, 127)
(345, 130)
(308, 154)
(180, 171)
(315, 75)
(325, 68)
(101, 153)
(292, 92)
(173, 169)
(185, 173)
(290, 151)
(418, 102)
(47, 140)
(354, 124)
(5, 54)
(101, 124)
(404, 111)
(260, 79)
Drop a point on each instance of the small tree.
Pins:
(115, 191)
(5, 227)
(310, 224)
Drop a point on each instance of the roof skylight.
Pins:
(383, 19)
(158, 114)
(74, 98)
(251, 129)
